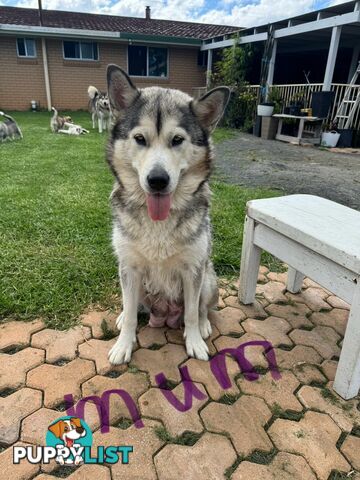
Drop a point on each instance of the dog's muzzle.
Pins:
(158, 200)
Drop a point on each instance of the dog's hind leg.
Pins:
(192, 286)
(130, 280)
(93, 119)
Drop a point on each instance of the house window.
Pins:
(202, 58)
(26, 47)
(147, 61)
(80, 50)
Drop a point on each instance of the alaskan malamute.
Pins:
(99, 108)
(160, 153)
(9, 129)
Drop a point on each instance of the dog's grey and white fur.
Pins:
(99, 108)
(9, 129)
(58, 122)
(160, 145)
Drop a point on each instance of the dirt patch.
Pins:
(251, 161)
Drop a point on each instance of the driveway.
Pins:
(253, 162)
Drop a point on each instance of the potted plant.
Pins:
(270, 124)
(265, 109)
(330, 135)
(297, 102)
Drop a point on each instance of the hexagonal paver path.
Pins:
(154, 404)
(60, 345)
(244, 421)
(13, 368)
(214, 454)
(285, 466)
(57, 381)
(145, 443)
(286, 427)
(314, 437)
(275, 392)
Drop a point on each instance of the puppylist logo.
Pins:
(69, 441)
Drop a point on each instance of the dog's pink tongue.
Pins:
(158, 206)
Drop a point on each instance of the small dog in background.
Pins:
(99, 108)
(57, 122)
(74, 130)
(9, 129)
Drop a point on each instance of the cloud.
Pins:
(337, 2)
(258, 13)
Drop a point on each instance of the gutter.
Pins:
(53, 32)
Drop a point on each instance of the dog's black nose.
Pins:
(79, 429)
(158, 180)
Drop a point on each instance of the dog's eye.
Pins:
(140, 139)
(177, 140)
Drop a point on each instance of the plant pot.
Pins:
(265, 110)
(257, 127)
(346, 136)
(330, 139)
(269, 128)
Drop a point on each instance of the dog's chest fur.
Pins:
(161, 250)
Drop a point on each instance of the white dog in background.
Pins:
(99, 108)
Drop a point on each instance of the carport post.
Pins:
(330, 65)
(209, 69)
(270, 77)
(354, 62)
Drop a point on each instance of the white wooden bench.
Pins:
(319, 239)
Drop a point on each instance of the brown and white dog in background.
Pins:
(58, 122)
(99, 108)
(65, 125)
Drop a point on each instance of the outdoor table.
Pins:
(315, 135)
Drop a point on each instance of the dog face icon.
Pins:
(68, 430)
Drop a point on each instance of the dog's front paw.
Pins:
(120, 320)
(122, 350)
(205, 328)
(195, 345)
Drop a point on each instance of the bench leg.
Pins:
(250, 263)
(294, 281)
(347, 378)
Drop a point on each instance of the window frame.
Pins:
(80, 59)
(147, 61)
(26, 50)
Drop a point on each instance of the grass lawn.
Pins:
(55, 222)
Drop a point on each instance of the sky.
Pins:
(243, 13)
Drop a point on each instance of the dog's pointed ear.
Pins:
(122, 92)
(57, 428)
(211, 106)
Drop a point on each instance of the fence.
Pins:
(287, 92)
